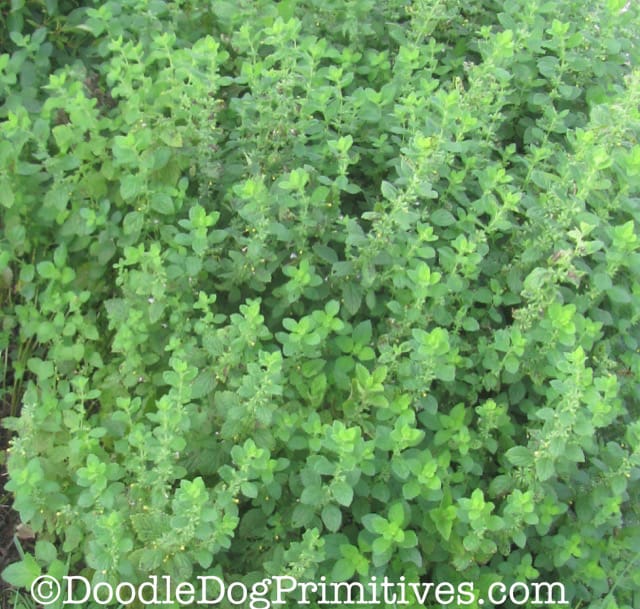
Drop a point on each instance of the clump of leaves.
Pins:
(324, 288)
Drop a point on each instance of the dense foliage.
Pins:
(324, 287)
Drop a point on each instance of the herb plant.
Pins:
(324, 288)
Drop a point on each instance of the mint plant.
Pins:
(323, 288)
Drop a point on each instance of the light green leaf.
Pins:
(45, 551)
(6, 193)
(131, 186)
(21, 574)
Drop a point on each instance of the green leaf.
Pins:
(57, 198)
(332, 308)
(131, 186)
(619, 295)
(444, 518)
(342, 493)
(43, 369)
(442, 217)
(445, 372)
(545, 468)
(602, 281)
(312, 495)
(7, 197)
(388, 191)
(162, 203)
(548, 66)
(470, 324)
(343, 570)
(362, 332)
(520, 456)
(133, 223)
(511, 363)
(302, 515)
(45, 552)
(411, 489)
(375, 523)
(536, 279)
(148, 559)
(352, 296)
(249, 489)
(520, 539)
(325, 253)
(149, 526)
(203, 384)
(332, 517)
(615, 6)
(171, 138)
(204, 557)
(22, 574)
(47, 270)
(381, 545)
(396, 514)
(401, 467)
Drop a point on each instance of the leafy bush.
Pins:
(324, 288)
